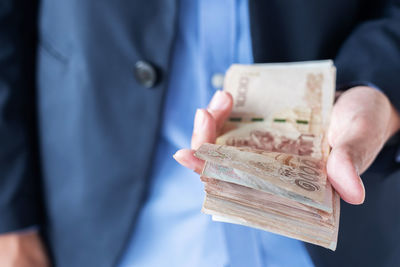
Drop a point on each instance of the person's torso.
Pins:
(99, 124)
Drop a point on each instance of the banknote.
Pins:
(268, 167)
(280, 107)
(318, 233)
(296, 177)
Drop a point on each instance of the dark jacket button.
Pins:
(145, 74)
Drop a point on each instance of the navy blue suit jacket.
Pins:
(78, 131)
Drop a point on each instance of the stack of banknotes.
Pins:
(268, 167)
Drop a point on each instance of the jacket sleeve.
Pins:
(19, 173)
(371, 54)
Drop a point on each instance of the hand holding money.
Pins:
(374, 116)
(343, 135)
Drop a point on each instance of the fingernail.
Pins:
(363, 187)
(179, 156)
(357, 169)
(199, 120)
(218, 101)
(176, 156)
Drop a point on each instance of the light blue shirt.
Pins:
(171, 230)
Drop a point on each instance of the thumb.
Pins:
(343, 172)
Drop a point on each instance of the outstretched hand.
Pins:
(362, 121)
